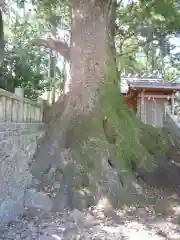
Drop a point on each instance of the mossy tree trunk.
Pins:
(76, 134)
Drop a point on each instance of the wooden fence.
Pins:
(16, 109)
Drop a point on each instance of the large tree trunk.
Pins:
(89, 50)
(75, 141)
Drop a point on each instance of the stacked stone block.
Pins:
(17, 146)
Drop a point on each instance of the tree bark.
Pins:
(51, 76)
(89, 60)
(88, 52)
(90, 57)
(53, 44)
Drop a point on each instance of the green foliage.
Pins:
(28, 66)
(22, 66)
(144, 32)
(14, 72)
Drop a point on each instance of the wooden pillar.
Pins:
(138, 106)
(166, 108)
(143, 119)
(172, 103)
(155, 112)
(21, 111)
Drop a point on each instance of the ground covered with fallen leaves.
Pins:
(159, 221)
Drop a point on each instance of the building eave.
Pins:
(154, 85)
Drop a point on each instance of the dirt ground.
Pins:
(158, 220)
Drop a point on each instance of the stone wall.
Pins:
(17, 146)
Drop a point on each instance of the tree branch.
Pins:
(53, 44)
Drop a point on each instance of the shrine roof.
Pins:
(154, 85)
